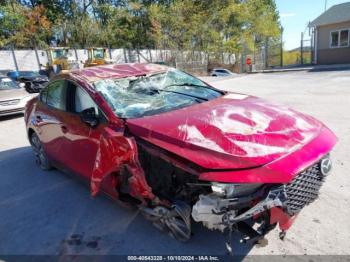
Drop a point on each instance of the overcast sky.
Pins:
(296, 14)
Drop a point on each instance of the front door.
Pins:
(83, 140)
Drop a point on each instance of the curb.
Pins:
(319, 68)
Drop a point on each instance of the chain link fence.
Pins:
(267, 54)
(190, 61)
(270, 54)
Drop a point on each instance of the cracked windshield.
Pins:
(134, 97)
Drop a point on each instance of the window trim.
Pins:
(339, 32)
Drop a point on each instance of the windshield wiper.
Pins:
(194, 85)
(180, 93)
(188, 84)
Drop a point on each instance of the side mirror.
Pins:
(89, 117)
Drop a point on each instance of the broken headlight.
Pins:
(233, 190)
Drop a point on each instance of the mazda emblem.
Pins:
(325, 166)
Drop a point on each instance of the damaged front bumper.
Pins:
(225, 213)
(270, 205)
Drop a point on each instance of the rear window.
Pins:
(221, 71)
(7, 83)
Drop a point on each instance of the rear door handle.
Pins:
(64, 129)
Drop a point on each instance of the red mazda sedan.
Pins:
(179, 149)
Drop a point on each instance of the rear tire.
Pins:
(40, 156)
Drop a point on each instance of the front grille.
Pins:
(10, 102)
(303, 189)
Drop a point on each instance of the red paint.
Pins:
(234, 139)
(233, 132)
(284, 220)
(117, 71)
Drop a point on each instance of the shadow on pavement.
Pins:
(10, 117)
(49, 213)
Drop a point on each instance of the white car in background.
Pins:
(221, 72)
(13, 97)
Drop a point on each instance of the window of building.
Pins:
(344, 38)
(335, 39)
(340, 38)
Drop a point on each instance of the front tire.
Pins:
(40, 156)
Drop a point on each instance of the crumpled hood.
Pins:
(231, 132)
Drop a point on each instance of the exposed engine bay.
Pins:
(221, 206)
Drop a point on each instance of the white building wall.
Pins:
(6, 61)
(26, 59)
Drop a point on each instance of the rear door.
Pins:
(50, 118)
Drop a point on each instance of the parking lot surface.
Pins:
(52, 213)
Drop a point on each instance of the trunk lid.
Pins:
(231, 132)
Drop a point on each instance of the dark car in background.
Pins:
(33, 81)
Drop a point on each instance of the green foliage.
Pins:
(213, 26)
(294, 57)
(12, 24)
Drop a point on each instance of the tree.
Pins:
(212, 26)
(38, 26)
(12, 23)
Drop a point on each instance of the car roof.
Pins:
(96, 73)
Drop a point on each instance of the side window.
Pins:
(83, 101)
(43, 95)
(56, 95)
(80, 99)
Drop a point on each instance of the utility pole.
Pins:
(325, 5)
(14, 57)
(302, 49)
(281, 61)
